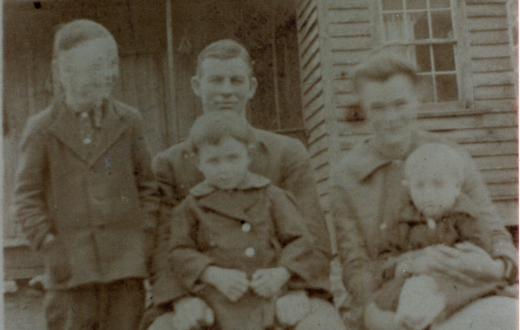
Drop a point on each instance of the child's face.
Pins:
(224, 165)
(88, 72)
(433, 191)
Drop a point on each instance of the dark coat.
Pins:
(208, 229)
(281, 159)
(99, 201)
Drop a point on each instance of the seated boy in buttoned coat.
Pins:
(237, 241)
(85, 192)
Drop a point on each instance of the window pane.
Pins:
(439, 3)
(447, 87)
(394, 27)
(443, 57)
(392, 4)
(441, 24)
(427, 88)
(422, 58)
(418, 26)
(415, 4)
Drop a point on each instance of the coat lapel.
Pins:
(112, 126)
(234, 204)
(66, 129)
(224, 203)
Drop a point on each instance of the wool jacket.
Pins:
(99, 199)
(254, 227)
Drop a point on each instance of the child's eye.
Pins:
(233, 157)
(400, 103)
(237, 80)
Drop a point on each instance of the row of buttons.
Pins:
(249, 252)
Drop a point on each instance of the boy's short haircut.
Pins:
(440, 155)
(77, 32)
(381, 65)
(212, 127)
(224, 49)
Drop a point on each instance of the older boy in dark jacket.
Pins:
(85, 192)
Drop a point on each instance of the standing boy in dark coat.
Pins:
(85, 192)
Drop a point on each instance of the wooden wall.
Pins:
(335, 35)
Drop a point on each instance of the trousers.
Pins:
(118, 305)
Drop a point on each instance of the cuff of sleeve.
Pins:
(39, 236)
(510, 270)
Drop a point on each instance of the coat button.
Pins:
(87, 141)
(250, 252)
(102, 226)
(246, 227)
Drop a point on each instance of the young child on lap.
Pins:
(238, 241)
(438, 214)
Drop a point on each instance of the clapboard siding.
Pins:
(490, 137)
(493, 77)
(312, 88)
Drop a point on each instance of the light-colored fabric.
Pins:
(492, 313)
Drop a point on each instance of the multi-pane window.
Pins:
(424, 28)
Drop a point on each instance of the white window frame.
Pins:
(461, 51)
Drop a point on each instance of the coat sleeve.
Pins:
(298, 178)
(297, 254)
(501, 243)
(146, 184)
(30, 198)
(186, 260)
(357, 277)
(181, 264)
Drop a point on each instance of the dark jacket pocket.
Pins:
(57, 261)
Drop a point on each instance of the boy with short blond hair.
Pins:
(85, 192)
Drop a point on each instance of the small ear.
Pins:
(252, 88)
(195, 85)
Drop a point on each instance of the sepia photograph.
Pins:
(260, 164)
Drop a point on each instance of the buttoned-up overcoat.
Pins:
(255, 227)
(98, 199)
(281, 159)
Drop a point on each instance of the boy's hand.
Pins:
(268, 282)
(292, 308)
(231, 283)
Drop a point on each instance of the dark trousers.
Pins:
(117, 305)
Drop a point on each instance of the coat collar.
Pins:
(66, 128)
(252, 181)
(233, 204)
(366, 159)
